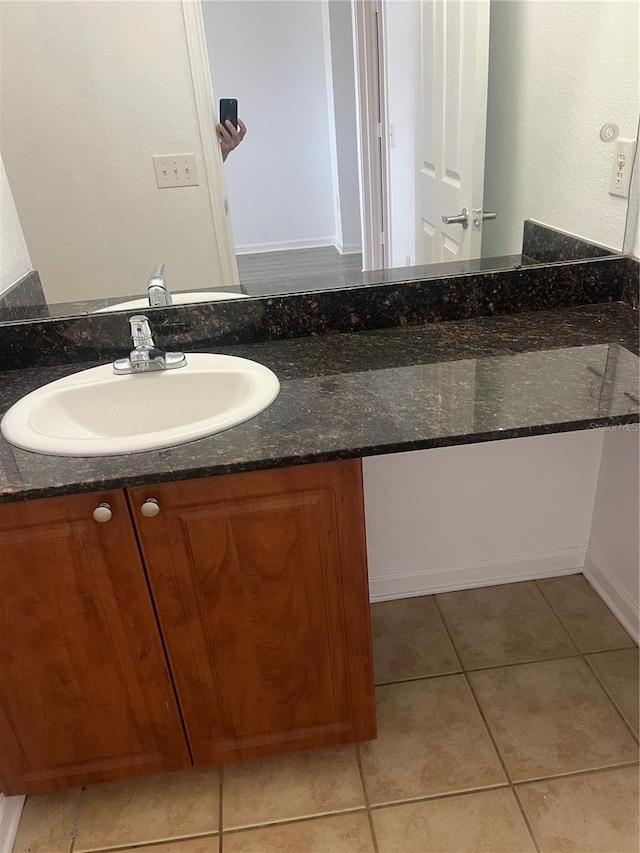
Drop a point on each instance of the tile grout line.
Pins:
(448, 795)
(462, 671)
(525, 819)
(512, 786)
(150, 845)
(488, 730)
(304, 819)
(448, 633)
(522, 662)
(609, 696)
(575, 773)
(366, 799)
(557, 615)
(503, 786)
(465, 674)
(554, 613)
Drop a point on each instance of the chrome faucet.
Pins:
(157, 290)
(145, 357)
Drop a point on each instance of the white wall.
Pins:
(474, 515)
(269, 54)
(14, 254)
(558, 72)
(90, 91)
(613, 557)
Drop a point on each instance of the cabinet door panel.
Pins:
(84, 689)
(261, 589)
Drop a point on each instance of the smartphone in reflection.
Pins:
(228, 110)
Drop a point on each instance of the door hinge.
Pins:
(382, 238)
(379, 129)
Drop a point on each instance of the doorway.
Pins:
(292, 184)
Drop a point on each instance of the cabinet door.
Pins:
(85, 694)
(260, 584)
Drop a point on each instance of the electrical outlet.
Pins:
(622, 166)
(175, 170)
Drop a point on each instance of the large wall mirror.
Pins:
(365, 130)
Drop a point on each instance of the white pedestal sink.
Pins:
(97, 413)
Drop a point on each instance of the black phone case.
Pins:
(229, 110)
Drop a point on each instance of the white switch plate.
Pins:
(622, 166)
(175, 170)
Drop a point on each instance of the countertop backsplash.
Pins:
(103, 337)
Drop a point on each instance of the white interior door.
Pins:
(206, 111)
(454, 46)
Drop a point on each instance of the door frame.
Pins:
(207, 116)
(371, 125)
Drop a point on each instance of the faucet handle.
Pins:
(141, 331)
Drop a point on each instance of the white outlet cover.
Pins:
(620, 181)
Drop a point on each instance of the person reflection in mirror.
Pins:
(229, 136)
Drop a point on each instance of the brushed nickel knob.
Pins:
(102, 513)
(150, 508)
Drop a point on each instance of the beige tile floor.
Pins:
(508, 723)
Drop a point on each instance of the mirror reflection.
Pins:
(383, 145)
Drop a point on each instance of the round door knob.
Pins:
(102, 513)
(150, 508)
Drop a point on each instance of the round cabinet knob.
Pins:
(102, 513)
(150, 508)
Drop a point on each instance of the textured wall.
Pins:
(90, 91)
(558, 72)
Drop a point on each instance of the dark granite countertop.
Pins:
(384, 391)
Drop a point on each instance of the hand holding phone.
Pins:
(230, 135)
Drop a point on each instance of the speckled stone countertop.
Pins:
(378, 392)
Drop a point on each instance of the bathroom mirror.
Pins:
(94, 90)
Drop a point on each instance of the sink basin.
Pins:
(178, 299)
(96, 413)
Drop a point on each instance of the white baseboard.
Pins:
(348, 248)
(385, 586)
(287, 245)
(612, 592)
(10, 811)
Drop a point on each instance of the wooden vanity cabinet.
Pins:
(258, 589)
(85, 694)
(260, 585)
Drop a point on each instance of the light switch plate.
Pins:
(175, 170)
